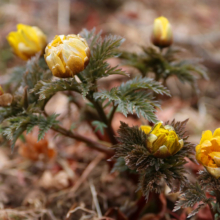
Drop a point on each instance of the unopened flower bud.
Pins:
(67, 55)
(1, 91)
(27, 41)
(162, 141)
(208, 152)
(162, 33)
(6, 99)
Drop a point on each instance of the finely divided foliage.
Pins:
(38, 86)
(135, 95)
(19, 124)
(154, 172)
(193, 194)
(165, 65)
(198, 194)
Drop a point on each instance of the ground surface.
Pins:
(70, 181)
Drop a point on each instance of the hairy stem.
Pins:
(211, 210)
(111, 115)
(91, 143)
(104, 119)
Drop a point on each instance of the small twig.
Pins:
(82, 178)
(95, 199)
(114, 108)
(104, 118)
(91, 143)
(79, 208)
(28, 214)
(211, 210)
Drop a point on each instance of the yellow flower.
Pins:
(67, 55)
(146, 128)
(162, 33)
(208, 152)
(163, 141)
(1, 91)
(27, 41)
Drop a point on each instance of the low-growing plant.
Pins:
(74, 65)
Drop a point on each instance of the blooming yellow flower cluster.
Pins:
(208, 152)
(65, 55)
(68, 55)
(27, 41)
(162, 141)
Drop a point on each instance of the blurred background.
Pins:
(196, 28)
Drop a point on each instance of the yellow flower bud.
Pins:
(6, 99)
(162, 33)
(163, 141)
(1, 91)
(208, 152)
(67, 55)
(27, 41)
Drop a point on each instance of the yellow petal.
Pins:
(14, 39)
(30, 36)
(146, 128)
(215, 144)
(162, 152)
(216, 157)
(214, 171)
(216, 132)
(26, 41)
(56, 65)
(198, 148)
(75, 64)
(157, 29)
(206, 135)
(164, 22)
(156, 127)
(150, 139)
(72, 51)
(42, 39)
(1, 91)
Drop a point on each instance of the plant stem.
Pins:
(114, 108)
(91, 143)
(104, 119)
(211, 210)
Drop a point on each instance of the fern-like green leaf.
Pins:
(101, 49)
(46, 89)
(135, 95)
(46, 124)
(99, 126)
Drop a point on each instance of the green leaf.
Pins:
(46, 89)
(166, 64)
(99, 126)
(101, 49)
(17, 126)
(192, 195)
(135, 95)
(46, 124)
(143, 83)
